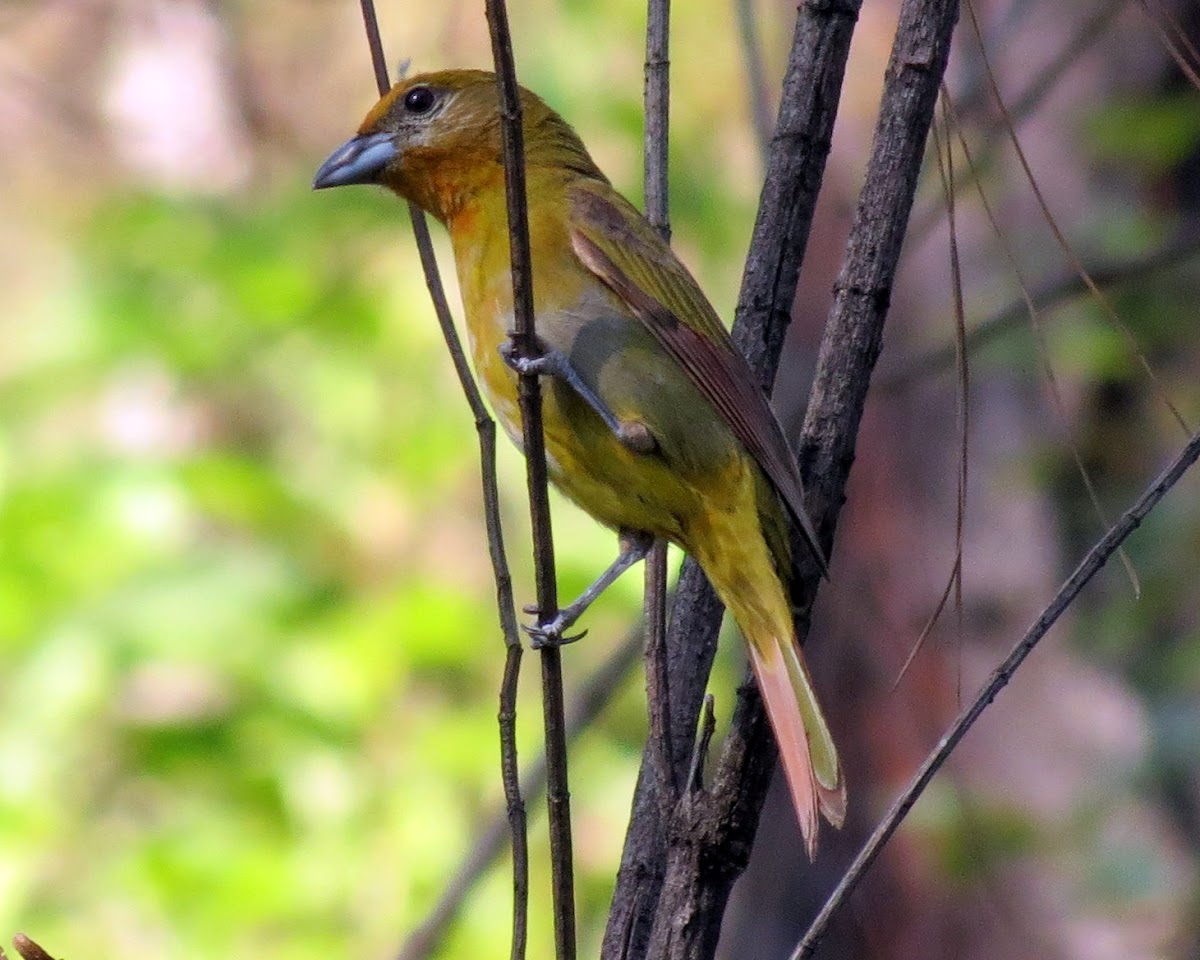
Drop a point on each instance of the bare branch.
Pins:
(378, 61)
(657, 96)
(525, 344)
(756, 74)
(587, 702)
(28, 949)
(1090, 565)
(945, 163)
(486, 429)
(713, 837)
(657, 99)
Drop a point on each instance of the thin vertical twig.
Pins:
(375, 44)
(945, 163)
(525, 343)
(485, 428)
(756, 74)
(657, 102)
(592, 695)
(657, 98)
(964, 392)
(1091, 564)
(1037, 327)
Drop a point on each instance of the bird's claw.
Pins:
(508, 353)
(552, 633)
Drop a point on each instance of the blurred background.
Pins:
(248, 653)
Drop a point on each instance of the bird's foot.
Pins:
(633, 434)
(552, 633)
(544, 363)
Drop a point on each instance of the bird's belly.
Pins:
(618, 487)
(660, 492)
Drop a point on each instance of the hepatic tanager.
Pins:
(654, 423)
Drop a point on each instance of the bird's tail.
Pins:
(744, 574)
(806, 749)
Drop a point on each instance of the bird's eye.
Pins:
(419, 100)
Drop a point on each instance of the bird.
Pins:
(653, 421)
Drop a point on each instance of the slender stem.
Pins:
(658, 687)
(657, 103)
(28, 949)
(525, 342)
(378, 63)
(946, 171)
(1090, 565)
(756, 74)
(485, 427)
(594, 693)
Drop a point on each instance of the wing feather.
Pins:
(628, 256)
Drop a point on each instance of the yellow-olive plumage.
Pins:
(612, 299)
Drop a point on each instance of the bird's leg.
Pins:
(635, 544)
(553, 363)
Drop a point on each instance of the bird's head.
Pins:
(435, 139)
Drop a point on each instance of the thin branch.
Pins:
(1043, 348)
(485, 428)
(587, 702)
(1091, 564)
(963, 366)
(375, 43)
(28, 949)
(945, 163)
(799, 147)
(756, 74)
(657, 99)
(525, 344)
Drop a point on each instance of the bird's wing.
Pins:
(628, 256)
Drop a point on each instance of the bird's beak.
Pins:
(358, 160)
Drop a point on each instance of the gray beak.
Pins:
(358, 160)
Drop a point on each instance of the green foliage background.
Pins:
(248, 652)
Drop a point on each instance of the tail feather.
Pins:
(806, 748)
(739, 542)
(826, 768)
